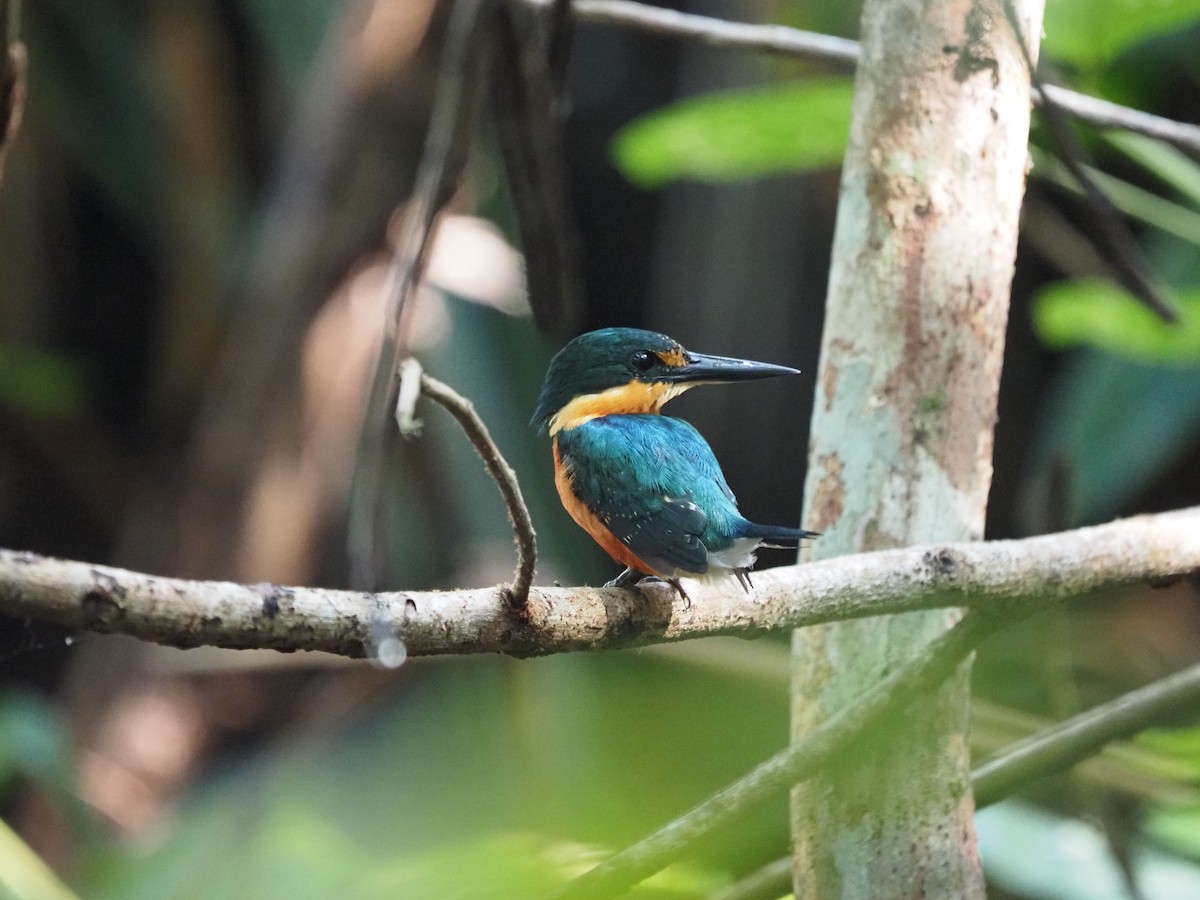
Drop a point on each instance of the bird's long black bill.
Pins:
(703, 368)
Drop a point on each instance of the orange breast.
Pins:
(590, 522)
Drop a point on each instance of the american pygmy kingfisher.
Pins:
(647, 487)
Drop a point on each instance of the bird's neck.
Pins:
(634, 397)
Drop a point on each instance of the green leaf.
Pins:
(1177, 827)
(1091, 33)
(1099, 314)
(40, 381)
(736, 135)
(1180, 745)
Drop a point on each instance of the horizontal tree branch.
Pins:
(992, 574)
(780, 40)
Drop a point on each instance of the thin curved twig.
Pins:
(463, 411)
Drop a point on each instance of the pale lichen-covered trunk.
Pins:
(902, 428)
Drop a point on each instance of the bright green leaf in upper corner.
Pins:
(1091, 33)
(735, 135)
(1099, 314)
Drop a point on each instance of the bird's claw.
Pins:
(633, 578)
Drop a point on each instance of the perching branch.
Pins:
(464, 413)
(1034, 572)
(799, 762)
(780, 40)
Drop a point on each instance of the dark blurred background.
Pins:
(194, 235)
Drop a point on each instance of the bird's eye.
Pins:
(643, 360)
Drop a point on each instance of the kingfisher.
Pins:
(645, 486)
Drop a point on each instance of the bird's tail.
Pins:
(776, 536)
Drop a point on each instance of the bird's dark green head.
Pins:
(629, 370)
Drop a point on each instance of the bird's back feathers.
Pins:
(655, 484)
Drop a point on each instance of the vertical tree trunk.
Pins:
(903, 424)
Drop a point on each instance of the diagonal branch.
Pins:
(1063, 745)
(789, 767)
(1054, 749)
(780, 40)
(1034, 573)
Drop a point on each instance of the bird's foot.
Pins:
(633, 578)
(628, 578)
(674, 582)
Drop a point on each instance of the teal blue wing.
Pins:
(656, 485)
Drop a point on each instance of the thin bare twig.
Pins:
(14, 65)
(525, 95)
(779, 40)
(768, 882)
(461, 73)
(560, 29)
(1067, 743)
(1107, 226)
(1033, 572)
(463, 411)
(930, 667)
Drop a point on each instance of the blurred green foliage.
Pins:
(1088, 34)
(482, 778)
(1111, 426)
(496, 778)
(734, 135)
(33, 743)
(41, 382)
(34, 748)
(1100, 314)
